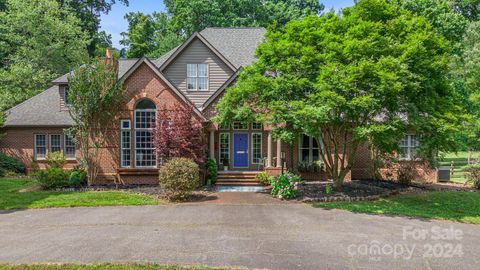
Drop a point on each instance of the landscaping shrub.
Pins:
(52, 178)
(2, 172)
(10, 164)
(77, 178)
(179, 177)
(264, 178)
(212, 172)
(56, 160)
(285, 186)
(406, 173)
(473, 175)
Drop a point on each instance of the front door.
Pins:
(240, 150)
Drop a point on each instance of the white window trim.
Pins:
(197, 75)
(261, 148)
(261, 126)
(310, 148)
(50, 142)
(65, 148)
(135, 129)
(409, 147)
(122, 129)
(233, 126)
(228, 148)
(35, 154)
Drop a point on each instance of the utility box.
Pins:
(443, 174)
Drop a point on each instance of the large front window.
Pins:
(69, 148)
(55, 144)
(40, 146)
(309, 149)
(145, 113)
(197, 76)
(408, 146)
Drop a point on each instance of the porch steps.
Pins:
(237, 178)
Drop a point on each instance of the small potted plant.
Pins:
(225, 163)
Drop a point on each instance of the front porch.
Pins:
(245, 148)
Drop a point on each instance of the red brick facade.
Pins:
(145, 83)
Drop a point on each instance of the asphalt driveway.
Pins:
(287, 236)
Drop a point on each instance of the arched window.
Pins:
(145, 113)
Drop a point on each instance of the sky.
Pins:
(114, 22)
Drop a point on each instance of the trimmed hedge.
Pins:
(10, 164)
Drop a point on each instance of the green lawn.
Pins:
(100, 267)
(12, 198)
(455, 206)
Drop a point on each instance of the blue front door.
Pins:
(240, 150)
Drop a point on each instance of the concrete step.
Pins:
(236, 183)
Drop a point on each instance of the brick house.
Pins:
(197, 72)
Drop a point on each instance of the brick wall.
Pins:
(19, 142)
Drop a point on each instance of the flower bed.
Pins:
(352, 191)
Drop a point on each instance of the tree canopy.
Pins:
(372, 72)
(153, 35)
(38, 42)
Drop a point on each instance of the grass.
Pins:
(106, 266)
(455, 206)
(12, 197)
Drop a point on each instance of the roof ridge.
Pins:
(237, 27)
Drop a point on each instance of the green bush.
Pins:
(77, 178)
(2, 172)
(285, 186)
(56, 160)
(264, 178)
(52, 178)
(178, 178)
(10, 164)
(473, 175)
(212, 172)
(406, 172)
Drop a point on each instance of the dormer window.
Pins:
(197, 77)
(65, 95)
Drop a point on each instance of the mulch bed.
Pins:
(352, 191)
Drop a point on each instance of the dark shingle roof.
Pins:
(123, 66)
(159, 61)
(237, 45)
(40, 110)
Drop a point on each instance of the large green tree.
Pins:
(189, 16)
(95, 97)
(89, 12)
(153, 35)
(371, 73)
(38, 41)
(149, 35)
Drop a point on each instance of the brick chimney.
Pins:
(109, 60)
(109, 53)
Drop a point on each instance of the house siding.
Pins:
(198, 53)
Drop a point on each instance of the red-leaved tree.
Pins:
(178, 133)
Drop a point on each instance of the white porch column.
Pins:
(279, 153)
(269, 150)
(212, 144)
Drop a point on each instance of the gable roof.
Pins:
(180, 49)
(41, 110)
(238, 45)
(152, 66)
